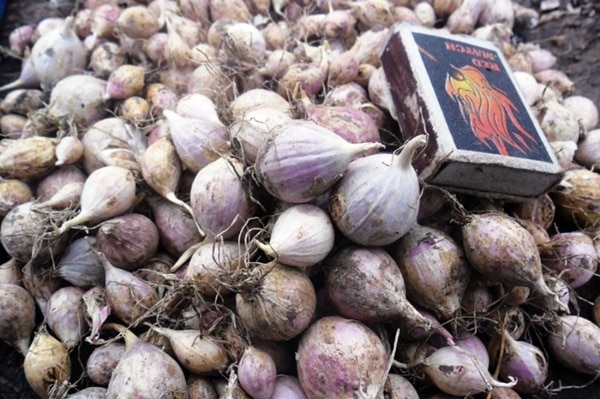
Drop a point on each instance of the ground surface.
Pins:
(571, 32)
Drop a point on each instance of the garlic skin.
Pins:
(57, 54)
(456, 371)
(27, 158)
(497, 12)
(564, 151)
(528, 85)
(541, 59)
(47, 364)
(584, 110)
(464, 18)
(588, 149)
(377, 200)
(302, 236)
(522, 361)
(555, 79)
(558, 123)
(425, 13)
(443, 8)
(68, 150)
(575, 344)
(434, 268)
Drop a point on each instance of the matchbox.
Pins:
(482, 136)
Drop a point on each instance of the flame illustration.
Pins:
(487, 110)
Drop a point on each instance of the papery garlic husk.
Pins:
(223, 180)
(497, 33)
(577, 197)
(425, 13)
(197, 141)
(380, 93)
(280, 307)
(584, 109)
(62, 176)
(564, 151)
(135, 110)
(89, 393)
(212, 265)
(10, 272)
(540, 210)
(558, 123)
(435, 270)
(302, 236)
(97, 310)
(105, 58)
(65, 316)
(561, 288)
(112, 141)
(129, 297)
(254, 128)
(473, 344)
(68, 150)
(201, 388)
(588, 149)
(26, 235)
(458, 372)
(99, 203)
(366, 284)
(517, 295)
(258, 98)
(464, 18)
(136, 374)
(502, 250)
(124, 82)
(497, 12)
(57, 54)
(67, 197)
(257, 373)
(128, 241)
(79, 264)
(22, 101)
(555, 80)
(162, 170)
(443, 8)
(12, 126)
(196, 105)
(399, 387)
(47, 364)
(27, 158)
(102, 361)
(376, 202)
(575, 343)
(201, 355)
(572, 256)
(17, 317)
(78, 99)
(13, 192)
(522, 361)
(528, 86)
(477, 297)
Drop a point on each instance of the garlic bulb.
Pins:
(558, 123)
(588, 149)
(302, 236)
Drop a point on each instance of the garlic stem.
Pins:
(404, 159)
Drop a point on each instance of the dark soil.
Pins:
(571, 32)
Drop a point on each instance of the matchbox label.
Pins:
(478, 99)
